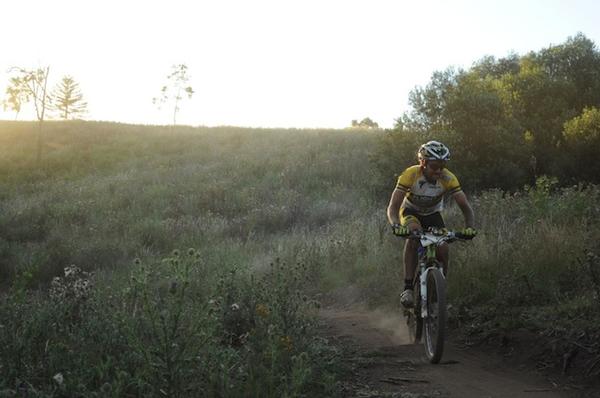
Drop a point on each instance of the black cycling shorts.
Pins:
(430, 220)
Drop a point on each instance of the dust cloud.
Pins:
(392, 323)
(370, 327)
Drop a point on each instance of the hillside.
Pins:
(197, 250)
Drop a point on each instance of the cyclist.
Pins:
(416, 204)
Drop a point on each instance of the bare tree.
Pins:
(174, 90)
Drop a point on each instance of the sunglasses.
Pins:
(435, 166)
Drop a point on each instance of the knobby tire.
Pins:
(435, 323)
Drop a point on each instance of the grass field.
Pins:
(145, 260)
(117, 200)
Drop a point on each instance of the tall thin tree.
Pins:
(30, 85)
(176, 88)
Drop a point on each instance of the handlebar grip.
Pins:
(460, 235)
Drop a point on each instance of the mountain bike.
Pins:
(429, 312)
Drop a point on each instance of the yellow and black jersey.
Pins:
(423, 196)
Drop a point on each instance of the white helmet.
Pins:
(434, 150)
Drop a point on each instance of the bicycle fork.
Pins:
(425, 254)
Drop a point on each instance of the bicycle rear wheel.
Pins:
(435, 323)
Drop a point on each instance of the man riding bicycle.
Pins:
(416, 204)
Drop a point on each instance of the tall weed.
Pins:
(179, 327)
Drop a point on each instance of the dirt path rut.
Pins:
(385, 364)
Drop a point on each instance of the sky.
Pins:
(271, 63)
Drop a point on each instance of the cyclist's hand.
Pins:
(400, 230)
(469, 233)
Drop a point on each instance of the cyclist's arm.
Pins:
(393, 210)
(461, 200)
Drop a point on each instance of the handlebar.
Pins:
(446, 235)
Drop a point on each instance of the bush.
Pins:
(176, 328)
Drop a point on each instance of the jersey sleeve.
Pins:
(406, 179)
(451, 184)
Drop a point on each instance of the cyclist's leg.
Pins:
(410, 220)
(410, 257)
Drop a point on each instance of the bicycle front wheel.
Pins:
(435, 323)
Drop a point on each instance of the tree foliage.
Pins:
(29, 85)
(366, 123)
(582, 140)
(15, 97)
(67, 99)
(508, 120)
(175, 90)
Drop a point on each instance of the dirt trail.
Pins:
(385, 364)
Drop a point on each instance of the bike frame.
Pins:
(429, 319)
(427, 261)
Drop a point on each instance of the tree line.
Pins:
(31, 86)
(506, 120)
(509, 120)
(66, 100)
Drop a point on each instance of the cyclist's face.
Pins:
(433, 169)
